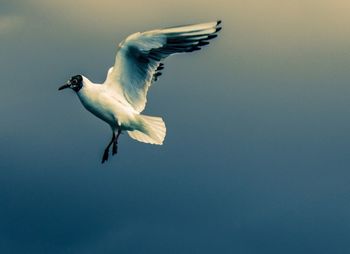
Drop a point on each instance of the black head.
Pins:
(75, 83)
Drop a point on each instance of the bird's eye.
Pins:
(74, 82)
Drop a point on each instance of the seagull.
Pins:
(122, 97)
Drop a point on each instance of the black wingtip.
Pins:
(212, 36)
(203, 43)
(218, 29)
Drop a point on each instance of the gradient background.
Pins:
(256, 158)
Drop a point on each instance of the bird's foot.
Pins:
(115, 148)
(105, 156)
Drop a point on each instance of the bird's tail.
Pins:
(152, 130)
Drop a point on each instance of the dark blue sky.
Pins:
(256, 158)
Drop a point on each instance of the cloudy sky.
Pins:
(257, 154)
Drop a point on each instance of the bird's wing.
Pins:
(138, 60)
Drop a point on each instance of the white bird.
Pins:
(122, 97)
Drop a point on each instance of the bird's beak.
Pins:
(67, 85)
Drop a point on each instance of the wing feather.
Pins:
(138, 60)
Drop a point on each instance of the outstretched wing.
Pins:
(138, 60)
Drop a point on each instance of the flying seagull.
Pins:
(120, 100)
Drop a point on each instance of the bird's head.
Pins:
(75, 83)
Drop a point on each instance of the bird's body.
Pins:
(120, 100)
(107, 105)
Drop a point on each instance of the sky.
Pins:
(256, 158)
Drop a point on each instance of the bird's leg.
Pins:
(105, 154)
(115, 143)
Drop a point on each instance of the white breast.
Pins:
(105, 104)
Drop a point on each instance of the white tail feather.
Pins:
(152, 130)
